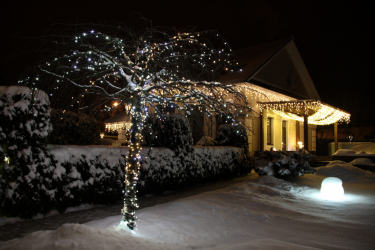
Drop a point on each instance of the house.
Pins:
(120, 123)
(286, 104)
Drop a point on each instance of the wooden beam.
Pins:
(336, 139)
(297, 132)
(305, 132)
(261, 124)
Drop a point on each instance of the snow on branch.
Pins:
(160, 65)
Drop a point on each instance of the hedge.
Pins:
(70, 128)
(27, 186)
(94, 174)
(35, 180)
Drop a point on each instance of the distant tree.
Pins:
(70, 128)
(323, 136)
(145, 67)
(356, 103)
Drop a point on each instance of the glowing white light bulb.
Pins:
(332, 189)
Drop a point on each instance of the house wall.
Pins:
(292, 138)
(311, 136)
(276, 131)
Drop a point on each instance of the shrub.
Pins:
(26, 179)
(161, 170)
(170, 131)
(91, 174)
(232, 135)
(284, 165)
(37, 180)
(236, 136)
(70, 128)
(2, 183)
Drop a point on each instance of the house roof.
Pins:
(252, 59)
(121, 117)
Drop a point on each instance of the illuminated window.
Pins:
(269, 131)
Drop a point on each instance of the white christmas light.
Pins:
(324, 114)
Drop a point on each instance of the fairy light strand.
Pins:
(323, 114)
(144, 68)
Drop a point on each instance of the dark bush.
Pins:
(284, 165)
(232, 135)
(170, 131)
(70, 128)
(26, 183)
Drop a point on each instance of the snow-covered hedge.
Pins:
(162, 170)
(282, 164)
(26, 176)
(95, 174)
(88, 174)
(98, 170)
(70, 128)
(222, 162)
(171, 131)
(35, 180)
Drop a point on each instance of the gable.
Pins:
(286, 73)
(277, 66)
(280, 73)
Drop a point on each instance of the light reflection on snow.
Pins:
(345, 198)
(123, 226)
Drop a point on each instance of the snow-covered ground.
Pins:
(261, 213)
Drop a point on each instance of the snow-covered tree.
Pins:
(145, 68)
(26, 174)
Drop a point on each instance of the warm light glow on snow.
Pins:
(332, 189)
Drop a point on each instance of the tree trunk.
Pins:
(133, 165)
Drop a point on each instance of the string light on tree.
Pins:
(141, 67)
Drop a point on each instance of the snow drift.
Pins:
(258, 213)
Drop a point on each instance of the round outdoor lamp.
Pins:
(332, 189)
(102, 135)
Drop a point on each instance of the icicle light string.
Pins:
(323, 113)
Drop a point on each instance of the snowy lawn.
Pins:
(261, 213)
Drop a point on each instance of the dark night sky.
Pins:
(333, 37)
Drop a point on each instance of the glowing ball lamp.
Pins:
(332, 189)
